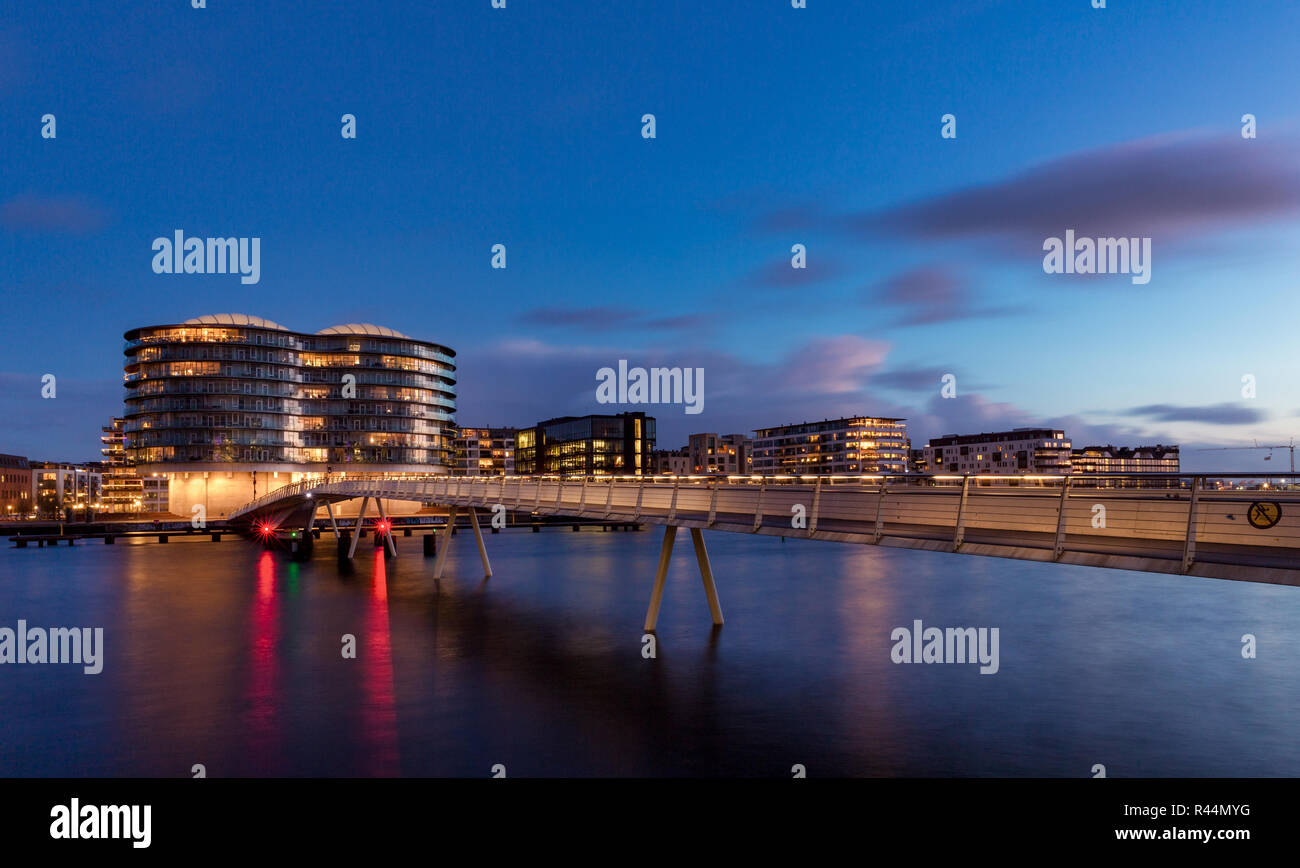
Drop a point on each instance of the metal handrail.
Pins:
(1076, 479)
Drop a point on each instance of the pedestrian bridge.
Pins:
(1225, 526)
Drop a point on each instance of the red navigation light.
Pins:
(264, 529)
(382, 526)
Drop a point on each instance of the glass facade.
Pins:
(232, 389)
(619, 445)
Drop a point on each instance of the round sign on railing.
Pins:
(1263, 514)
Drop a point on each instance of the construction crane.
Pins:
(1269, 457)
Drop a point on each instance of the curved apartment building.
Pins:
(229, 406)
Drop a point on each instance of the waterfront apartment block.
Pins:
(856, 444)
(125, 491)
(1020, 450)
(597, 445)
(729, 454)
(229, 406)
(15, 487)
(674, 462)
(1127, 459)
(66, 490)
(485, 452)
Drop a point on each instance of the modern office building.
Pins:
(598, 445)
(728, 454)
(1127, 459)
(1020, 450)
(229, 406)
(671, 462)
(15, 487)
(485, 452)
(67, 490)
(856, 444)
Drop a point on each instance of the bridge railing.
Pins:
(1284, 485)
(1233, 525)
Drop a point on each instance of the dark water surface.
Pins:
(228, 656)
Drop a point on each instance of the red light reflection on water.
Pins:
(260, 701)
(379, 713)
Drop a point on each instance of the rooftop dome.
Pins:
(240, 319)
(363, 328)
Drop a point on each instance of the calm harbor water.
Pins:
(224, 655)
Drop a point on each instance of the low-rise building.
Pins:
(917, 462)
(1127, 459)
(1018, 451)
(15, 487)
(728, 454)
(855, 444)
(60, 490)
(671, 462)
(484, 452)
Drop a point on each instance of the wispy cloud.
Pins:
(928, 295)
(599, 319)
(1212, 414)
(75, 215)
(1174, 186)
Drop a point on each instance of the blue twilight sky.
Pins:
(775, 126)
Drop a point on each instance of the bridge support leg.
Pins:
(388, 535)
(706, 573)
(446, 543)
(352, 550)
(478, 538)
(329, 510)
(661, 574)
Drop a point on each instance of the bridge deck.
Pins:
(1188, 525)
